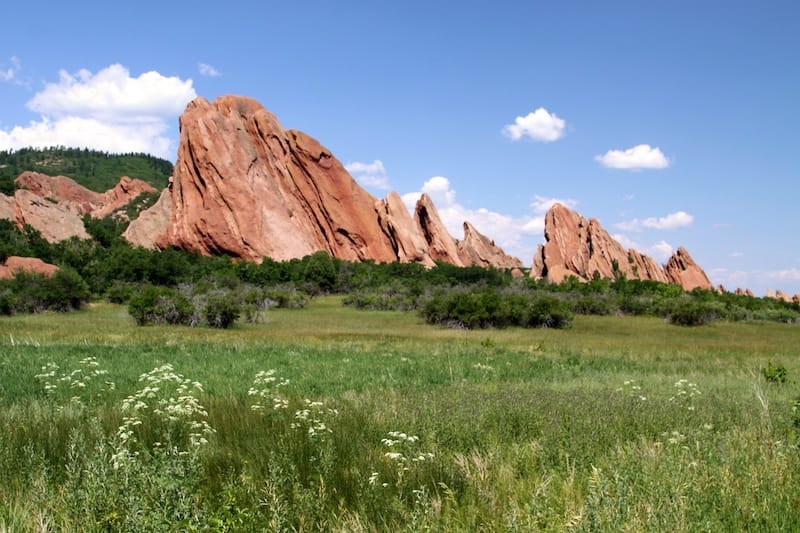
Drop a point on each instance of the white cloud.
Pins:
(369, 174)
(661, 250)
(675, 220)
(9, 74)
(207, 70)
(636, 158)
(539, 125)
(109, 110)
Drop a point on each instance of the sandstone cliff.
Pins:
(579, 247)
(246, 187)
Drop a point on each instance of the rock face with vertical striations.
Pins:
(579, 247)
(246, 187)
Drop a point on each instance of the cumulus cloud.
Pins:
(675, 220)
(660, 251)
(639, 157)
(517, 235)
(109, 110)
(9, 73)
(369, 174)
(540, 125)
(207, 70)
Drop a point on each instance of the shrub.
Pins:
(691, 313)
(774, 373)
(220, 311)
(160, 305)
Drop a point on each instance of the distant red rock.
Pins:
(575, 246)
(55, 205)
(14, 264)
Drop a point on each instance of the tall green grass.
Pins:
(615, 424)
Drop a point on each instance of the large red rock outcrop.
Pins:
(246, 187)
(682, 270)
(579, 247)
(477, 249)
(14, 264)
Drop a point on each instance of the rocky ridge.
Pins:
(246, 187)
(579, 247)
(54, 205)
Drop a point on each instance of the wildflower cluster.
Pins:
(314, 417)
(403, 452)
(179, 418)
(265, 389)
(633, 389)
(685, 393)
(85, 379)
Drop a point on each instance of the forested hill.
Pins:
(98, 171)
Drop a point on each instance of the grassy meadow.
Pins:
(334, 419)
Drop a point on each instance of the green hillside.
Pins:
(98, 171)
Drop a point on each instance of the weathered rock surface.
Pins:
(246, 187)
(53, 221)
(579, 247)
(682, 270)
(441, 245)
(477, 249)
(406, 237)
(14, 264)
(149, 229)
(80, 200)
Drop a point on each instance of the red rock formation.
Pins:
(80, 200)
(441, 245)
(579, 247)
(246, 187)
(53, 221)
(478, 250)
(682, 270)
(14, 264)
(150, 228)
(406, 237)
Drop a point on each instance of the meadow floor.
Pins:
(335, 419)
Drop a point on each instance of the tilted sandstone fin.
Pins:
(441, 245)
(478, 250)
(579, 247)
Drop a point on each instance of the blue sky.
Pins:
(673, 123)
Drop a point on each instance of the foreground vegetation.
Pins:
(337, 419)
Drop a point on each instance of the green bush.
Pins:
(220, 311)
(774, 373)
(492, 308)
(691, 313)
(161, 305)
